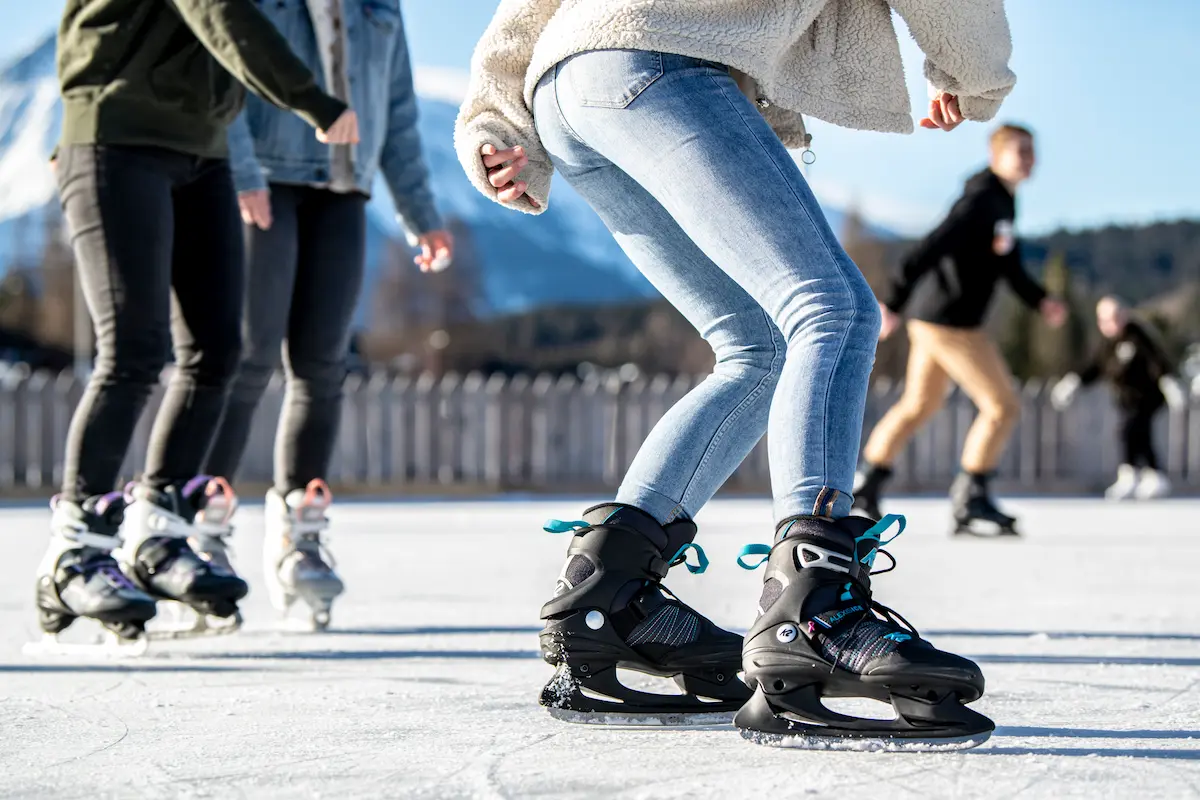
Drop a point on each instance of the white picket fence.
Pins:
(545, 433)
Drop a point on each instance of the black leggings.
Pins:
(1136, 438)
(303, 279)
(157, 241)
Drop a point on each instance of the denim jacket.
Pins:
(269, 145)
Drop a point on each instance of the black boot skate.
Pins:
(820, 634)
(867, 488)
(610, 610)
(162, 537)
(78, 576)
(973, 504)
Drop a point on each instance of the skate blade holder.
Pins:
(181, 621)
(107, 646)
(622, 697)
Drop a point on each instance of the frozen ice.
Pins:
(426, 685)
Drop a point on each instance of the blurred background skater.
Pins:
(678, 141)
(146, 191)
(947, 283)
(304, 208)
(1133, 360)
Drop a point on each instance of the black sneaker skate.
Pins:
(973, 504)
(610, 610)
(161, 532)
(820, 634)
(78, 576)
(867, 488)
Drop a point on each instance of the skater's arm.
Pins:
(967, 45)
(1156, 350)
(402, 161)
(249, 46)
(1026, 288)
(963, 222)
(248, 174)
(494, 112)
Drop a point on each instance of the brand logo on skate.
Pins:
(842, 615)
(786, 633)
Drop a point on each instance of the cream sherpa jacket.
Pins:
(836, 60)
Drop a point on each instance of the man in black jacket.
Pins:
(947, 283)
(1134, 361)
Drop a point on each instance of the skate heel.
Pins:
(53, 621)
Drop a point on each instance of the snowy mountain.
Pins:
(564, 256)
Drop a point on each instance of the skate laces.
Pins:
(680, 557)
(872, 536)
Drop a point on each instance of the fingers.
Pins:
(494, 158)
(512, 192)
(343, 131)
(247, 213)
(502, 176)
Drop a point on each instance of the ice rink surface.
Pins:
(1088, 630)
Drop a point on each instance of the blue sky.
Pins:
(1110, 87)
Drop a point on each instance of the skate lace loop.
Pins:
(872, 533)
(680, 556)
(564, 526)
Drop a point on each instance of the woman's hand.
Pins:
(437, 251)
(504, 168)
(943, 113)
(255, 206)
(344, 131)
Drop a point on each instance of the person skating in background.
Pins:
(958, 266)
(148, 91)
(1134, 361)
(304, 208)
(672, 120)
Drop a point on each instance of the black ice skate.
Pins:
(610, 610)
(820, 634)
(165, 535)
(78, 577)
(867, 488)
(973, 504)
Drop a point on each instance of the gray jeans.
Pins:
(303, 278)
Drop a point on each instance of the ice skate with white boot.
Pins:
(296, 559)
(610, 611)
(1125, 485)
(820, 634)
(163, 536)
(1152, 485)
(78, 577)
(973, 505)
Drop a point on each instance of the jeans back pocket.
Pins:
(613, 78)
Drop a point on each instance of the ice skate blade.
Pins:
(648, 720)
(203, 627)
(109, 648)
(879, 744)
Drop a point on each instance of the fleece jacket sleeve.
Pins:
(967, 45)
(494, 111)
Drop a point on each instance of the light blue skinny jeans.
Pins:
(706, 201)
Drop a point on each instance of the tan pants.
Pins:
(937, 355)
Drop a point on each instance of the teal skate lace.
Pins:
(680, 557)
(861, 646)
